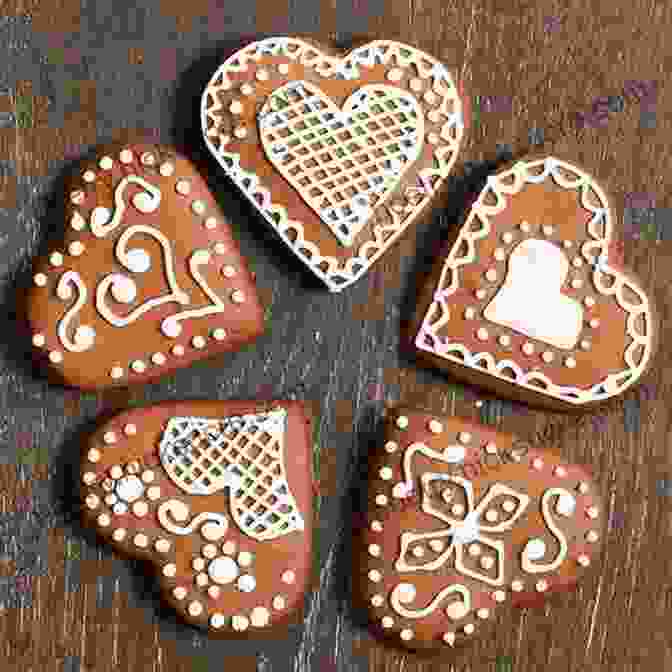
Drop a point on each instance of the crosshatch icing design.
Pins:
(545, 301)
(365, 158)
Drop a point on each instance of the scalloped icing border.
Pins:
(335, 276)
(599, 229)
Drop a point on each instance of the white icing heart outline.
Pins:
(361, 100)
(330, 269)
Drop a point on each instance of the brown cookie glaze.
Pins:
(217, 496)
(340, 153)
(527, 302)
(148, 278)
(461, 518)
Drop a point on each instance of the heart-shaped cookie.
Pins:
(340, 154)
(211, 495)
(148, 278)
(528, 303)
(462, 518)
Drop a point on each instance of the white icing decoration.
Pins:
(260, 500)
(526, 560)
(331, 270)
(138, 261)
(84, 336)
(103, 222)
(176, 510)
(291, 130)
(535, 549)
(530, 301)
(129, 488)
(566, 505)
(223, 570)
(398, 603)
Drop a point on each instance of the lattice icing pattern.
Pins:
(342, 162)
(242, 453)
(594, 252)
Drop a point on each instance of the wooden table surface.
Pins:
(75, 73)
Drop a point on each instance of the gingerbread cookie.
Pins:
(217, 496)
(462, 518)
(339, 153)
(148, 278)
(528, 302)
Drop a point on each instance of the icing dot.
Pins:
(570, 362)
(262, 75)
(240, 623)
(138, 366)
(283, 68)
(482, 334)
(194, 608)
(89, 176)
(537, 463)
(210, 223)
(76, 248)
(391, 446)
(103, 520)
(469, 629)
(464, 437)
(374, 550)
(375, 576)
(108, 485)
(147, 159)
(395, 74)
(437, 545)
(140, 509)
(55, 357)
(491, 275)
(110, 500)
(456, 611)
(535, 549)
(198, 342)
(474, 550)
(162, 545)
(236, 107)
(246, 583)
(177, 350)
(469, 314)
(56, 259)
(229, 547)
(528, 348)
(247, 89)
(435, 427)
(583, 560)
(228, 271)
(499, 254)
(387, 622)
(594, 323)
(288, 577)
(419, 552)
(147, 476)
(457, 509)
(40, 279)
(483, 613)
(260, 617)
(116, 372)
(154, 493)
(202, 580)
(567, 244)
(504, 340)
(240, 132)
(548, 230)
(219, 248)
(592, 512)
(214, 592)
(406, 634)
(517, 586)
(589, 301)
(119, 534)
(77, 222)
(198, 564)
(179, 592)
(217, 620)
(525, 227)
(126, 156)
(491, 516)
(130, 429)
(585, 345)
(171, 328)
(223, 570)
(499, 596)
(541, 586)
(93, 455)
(92, 501)
(583, 487)
(480, 293)
(198, 207)
(377, 526)
(507, 237)
(219, 334)
(245, 558)
(106, 163)
(560, 471)
(183, 187)
(449, 638)
(385, 473)
(509, 506)
(123, 289)
(39, 340)
(77, 197)
(591, 536)
(85, 336)
(214, 531)
(237, 296)
(402, 422)
(167, 169)
(377, 600)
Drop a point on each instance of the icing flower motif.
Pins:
(223, 566)
(128, 487)
(466, 535)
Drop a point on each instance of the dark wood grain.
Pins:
(74, 74)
